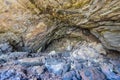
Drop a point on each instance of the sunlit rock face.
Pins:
(40, 25)
(100, 17)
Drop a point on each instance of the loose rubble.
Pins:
(84, 62)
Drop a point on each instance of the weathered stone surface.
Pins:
(59, 20)
(54, 21)
(37, 69)
(109, 36)
(15, 73)
(92, 74)
(101, 17)
(71, 75)
(12, 56)
(5, 48)
(109, 72)
(31, 61)
(58, 66)
(88, 51)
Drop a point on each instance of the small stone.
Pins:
(108, 71)
(38, 69)
(87, 73)
(71, 75)
(68, 76)
(11, 75)
(30, 61)
(69, 48)
(66, 68)
(5, 47)
(100, 49)
(85, 51)
(17, 55)
(56, 66)
(52, 53)
(66, 54)
(78, 66)
(7, 74)
(1, 52)
(78, 75)
(4, 57)
(92, 74)
(74, 78)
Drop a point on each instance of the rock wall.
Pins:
(40, 22)
(101, 17)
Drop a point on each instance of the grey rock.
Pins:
(92, 74)
(68, 76)
(71, 75)
(37, 70)
(12, 75)
(66, 54)
(12, 56)
(85, 51)
(78, 66)
(109, 36)
(66, 68)
(57, 66)
(78, 75)
(1, 52)
(17, 55)
(3, 59)
(28, 62)
(110, 74)
(74, 78)
(5, 47)
(87, 73)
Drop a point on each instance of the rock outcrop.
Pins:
(73, 35)
(39, 25)
(102, 18)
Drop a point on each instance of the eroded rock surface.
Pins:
(40, 25)
(109, 36)
(61, 66)
(61, 29)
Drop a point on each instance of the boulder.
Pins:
(109, 36)
(92, 74)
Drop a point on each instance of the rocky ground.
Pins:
(88, 61)
(69, 52)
